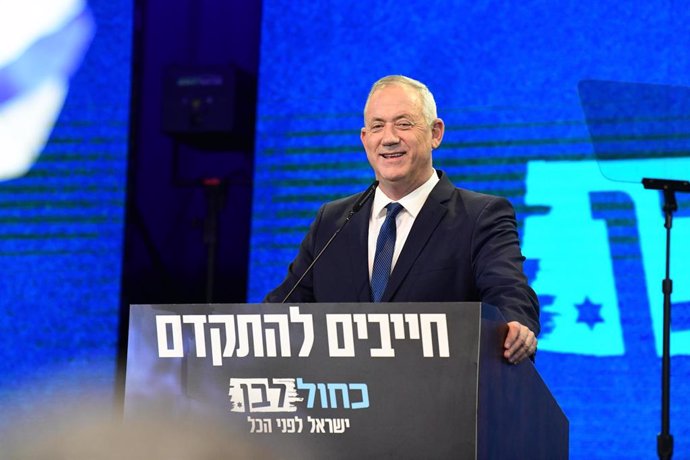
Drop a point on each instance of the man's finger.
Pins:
(520, 342)
(513, 334)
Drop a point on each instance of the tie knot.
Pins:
(392, 210)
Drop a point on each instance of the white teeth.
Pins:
(391, 155)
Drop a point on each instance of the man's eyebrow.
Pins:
(397, 117)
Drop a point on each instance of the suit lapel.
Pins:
(424, 226)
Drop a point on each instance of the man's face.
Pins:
(398, 139)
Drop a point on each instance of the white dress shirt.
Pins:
(412, 204)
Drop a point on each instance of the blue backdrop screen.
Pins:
(64, 105)
(505, 76)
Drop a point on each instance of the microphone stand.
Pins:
(364, 197)
(214, 191)
(664, 440)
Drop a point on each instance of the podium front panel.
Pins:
(384, 380)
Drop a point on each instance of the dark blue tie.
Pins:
(384, 252)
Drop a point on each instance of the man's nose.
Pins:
(390, 136)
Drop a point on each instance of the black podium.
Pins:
(346, 381)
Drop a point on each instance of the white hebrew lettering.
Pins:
(317, 425)
(398, 325)
(174, 350)
(360, 320)
(386, 350)
(230, 335)
(345, 321)
(260, 395)
(260, 425)
(412, 321)
(200, 338)
(253, 422)
(341, 334)
(340, 425)
(283, 333)
(230, 338)
(308, 322)
(290, 425)
(328, 425)
(244, 322)
(439, 319)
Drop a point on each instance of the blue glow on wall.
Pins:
(61, 210)
(505, 76)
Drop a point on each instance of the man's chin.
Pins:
(393, 172)
(392, 180)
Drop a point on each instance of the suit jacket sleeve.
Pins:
(497, 264)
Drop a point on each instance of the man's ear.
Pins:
(437, 130)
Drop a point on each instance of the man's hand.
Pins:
(520, 343)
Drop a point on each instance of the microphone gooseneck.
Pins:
(361, 201)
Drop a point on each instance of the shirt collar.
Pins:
(412, 202)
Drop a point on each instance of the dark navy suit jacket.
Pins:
(463, 246)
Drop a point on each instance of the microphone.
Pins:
(361, 201)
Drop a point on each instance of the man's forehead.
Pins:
(397, 98)
(400, 91)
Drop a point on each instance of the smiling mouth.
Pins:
(388, 156)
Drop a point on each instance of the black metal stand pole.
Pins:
(214, 190)
(664, 440)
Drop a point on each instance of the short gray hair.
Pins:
(427, 99)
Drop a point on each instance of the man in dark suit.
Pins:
(438, 244)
